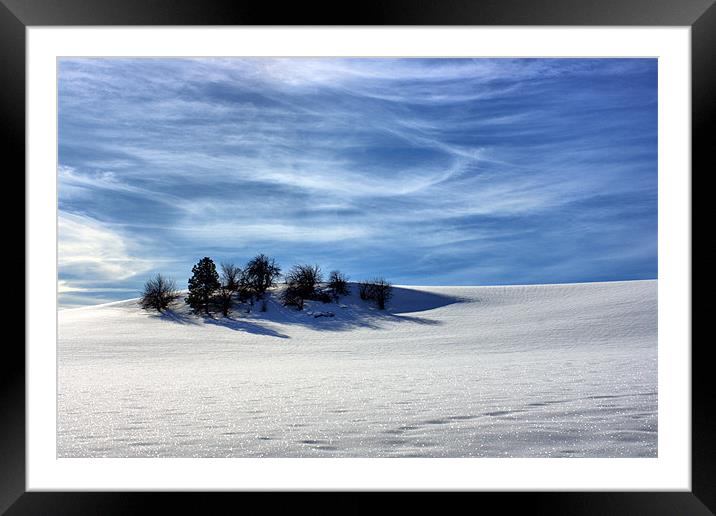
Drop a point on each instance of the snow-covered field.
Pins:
(514, 371)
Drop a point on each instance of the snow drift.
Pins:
(513, 371)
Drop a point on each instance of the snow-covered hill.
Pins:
(513, 371)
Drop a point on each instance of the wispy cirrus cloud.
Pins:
(469, 171)
(89, 250)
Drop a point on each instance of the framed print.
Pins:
(444, 247)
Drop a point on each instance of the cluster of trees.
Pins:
(305, 282)
(208, 288)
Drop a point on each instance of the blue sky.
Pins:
(426, 171)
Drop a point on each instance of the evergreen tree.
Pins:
(204, 281)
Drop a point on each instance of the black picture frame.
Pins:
(16, 15)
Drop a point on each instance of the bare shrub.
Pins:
(230, 276)
(302, 282)
(378, 290)
(365, 290)
(260, 274)
(159, 292)
(382, 291)
(224, 298)
(338, 285)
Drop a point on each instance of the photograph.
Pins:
(357, 257)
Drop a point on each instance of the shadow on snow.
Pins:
(227, 322)
(349, 313)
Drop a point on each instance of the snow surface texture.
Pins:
(514, 371)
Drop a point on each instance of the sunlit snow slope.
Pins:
(514, 371)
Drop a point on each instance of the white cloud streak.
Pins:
(88, 249)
